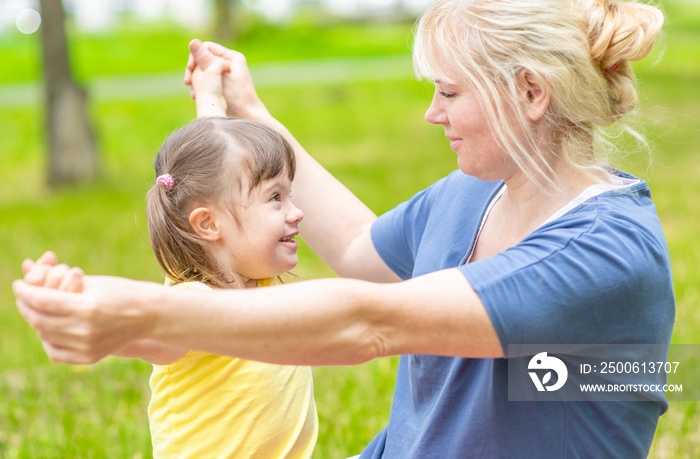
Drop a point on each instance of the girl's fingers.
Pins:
(55, 276)
(48, 258)
(189, 68)
(73, 281)
(27, 265)
(37, 274)
(202, 55)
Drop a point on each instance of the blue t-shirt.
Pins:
(598, 274)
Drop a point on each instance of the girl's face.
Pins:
(457, 109)
(261, 245)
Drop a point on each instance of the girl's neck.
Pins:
(242, 282)
(236, 281)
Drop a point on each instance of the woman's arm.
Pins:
(336, 223)
(318, 322)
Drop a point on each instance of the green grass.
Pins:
(162, 47)
(370, 135)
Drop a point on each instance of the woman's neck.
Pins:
(527, 203)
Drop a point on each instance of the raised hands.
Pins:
(206, 82)
(238, 90)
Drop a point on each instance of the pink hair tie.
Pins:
(166, 180)
(613, 67)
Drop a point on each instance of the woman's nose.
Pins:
(435, 113)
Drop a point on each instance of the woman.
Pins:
(531, 241)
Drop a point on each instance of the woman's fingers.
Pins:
(221, 51)
(69, 356)
(43, 300)
(61, 322)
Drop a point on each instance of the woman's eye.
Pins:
(447, 95)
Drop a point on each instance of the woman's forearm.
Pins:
(319, 322)
(331, 321)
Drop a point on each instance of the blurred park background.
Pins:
(338, 74)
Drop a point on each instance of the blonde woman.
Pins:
(531, 241)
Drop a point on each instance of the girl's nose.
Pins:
(295, 215)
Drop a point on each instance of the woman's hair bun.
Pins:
(621, 30)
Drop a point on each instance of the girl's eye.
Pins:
(276, 197)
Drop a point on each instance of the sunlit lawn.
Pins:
(372, 136)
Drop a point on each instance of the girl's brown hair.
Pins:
(211, 161)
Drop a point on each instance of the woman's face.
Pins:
(457, 109)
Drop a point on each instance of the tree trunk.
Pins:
(71, 139)
(224, 13)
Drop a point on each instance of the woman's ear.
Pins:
(203, 222)
(534, 93)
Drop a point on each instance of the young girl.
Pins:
(220, 216)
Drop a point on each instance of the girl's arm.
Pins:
(318, 322)
(207, 88)
(151, 352)
(336, 223)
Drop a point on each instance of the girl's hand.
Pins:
(207, 85)
(238, 90)
(45, 272)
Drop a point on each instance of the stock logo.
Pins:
(542, 361)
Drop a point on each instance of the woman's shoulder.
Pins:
(623, 208)
(621, 223)
(458, 187)
(458, 179)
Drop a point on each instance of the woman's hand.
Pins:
(82, 328)
(238, 90)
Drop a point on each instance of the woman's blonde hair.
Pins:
(211, 161)
(580, 49)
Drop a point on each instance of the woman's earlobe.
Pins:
(203, 222)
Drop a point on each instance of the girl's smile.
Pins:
(258, 242)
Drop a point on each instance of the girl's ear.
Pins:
(204, 223)
(534, 93)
